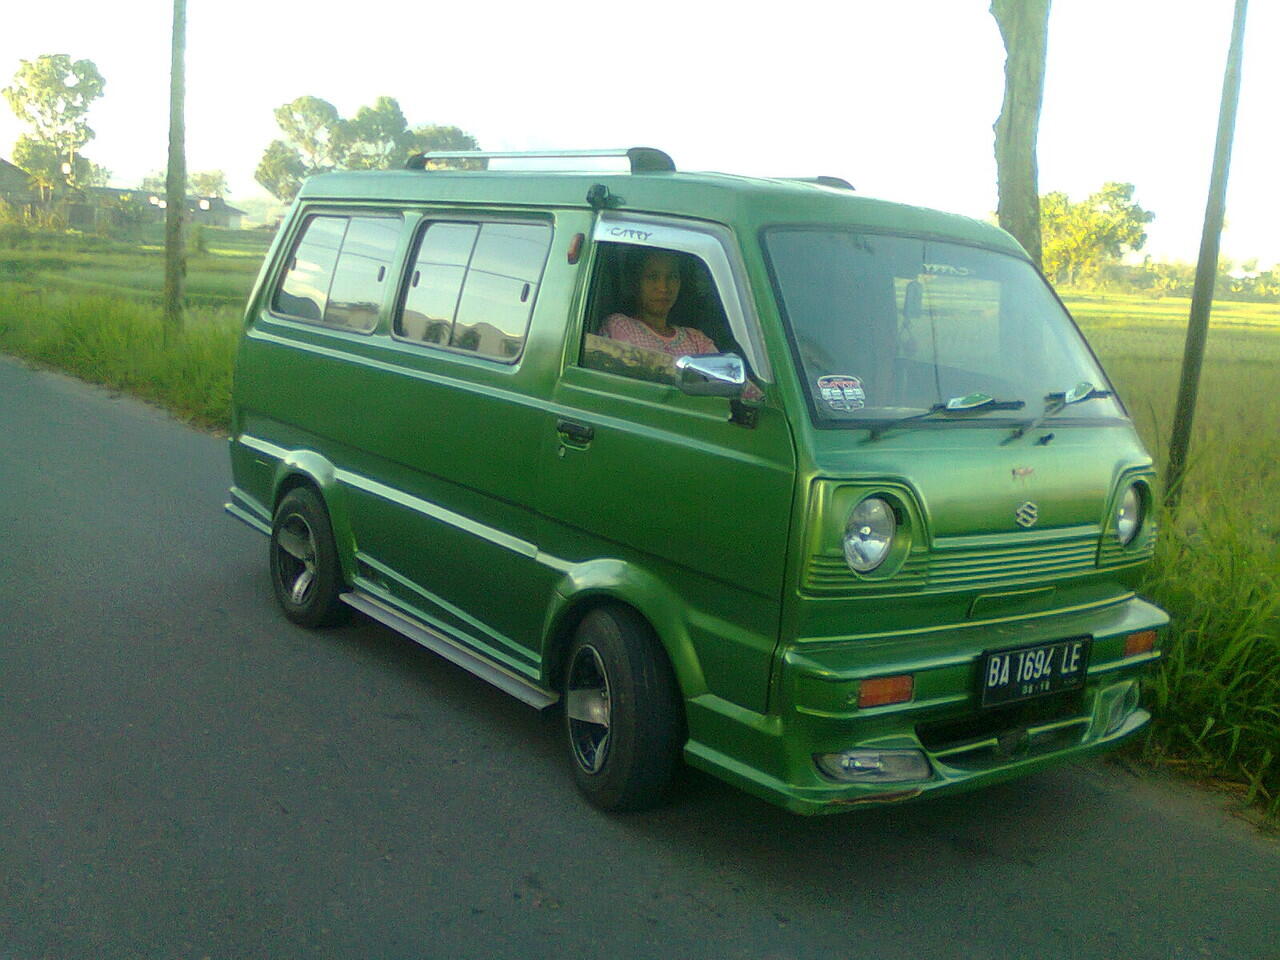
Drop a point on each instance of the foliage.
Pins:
(52, 94)
(317, 139)
(118, 342)
(208, 183)
(1082, 238)
(1216, 691)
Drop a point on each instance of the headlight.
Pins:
(869, 534)
(1128, 515)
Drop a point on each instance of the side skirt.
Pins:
(484, 668)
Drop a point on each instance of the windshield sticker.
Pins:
(842, 393)
(945, 270)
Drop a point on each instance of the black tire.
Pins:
(622, 711)
(305, 572)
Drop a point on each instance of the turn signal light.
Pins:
(1141, 642)
(879, 691)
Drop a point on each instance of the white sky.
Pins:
(897, 97)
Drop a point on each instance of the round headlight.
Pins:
(1128, 515)
(869, 534)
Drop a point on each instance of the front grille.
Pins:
(969, 562)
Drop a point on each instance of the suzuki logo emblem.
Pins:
(1027, 514)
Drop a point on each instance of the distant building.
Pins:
(210, 211)
(15, 184)
(92, 208)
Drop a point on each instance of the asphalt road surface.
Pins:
(183, 773)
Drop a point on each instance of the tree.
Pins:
(317, 139)
(208, 183)
(377, 138)
(314, 129)
(430, 137)
(281, 171)
(1024, 27)
(52, 94)
(1081, 238)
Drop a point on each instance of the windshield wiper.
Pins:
(1055, 403)
(973, 401)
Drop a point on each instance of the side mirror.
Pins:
(712, 374)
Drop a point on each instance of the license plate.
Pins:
(1025, 672)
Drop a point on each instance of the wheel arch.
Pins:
(600, 583)
(305, 468)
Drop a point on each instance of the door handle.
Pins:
(572, 432)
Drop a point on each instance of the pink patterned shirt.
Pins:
(685, 340)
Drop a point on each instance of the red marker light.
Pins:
(879, 691)
(1141, 642)
(575, 247)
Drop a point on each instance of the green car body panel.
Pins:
(458, 500)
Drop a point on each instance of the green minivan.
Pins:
(823, 495)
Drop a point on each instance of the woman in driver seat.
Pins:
(653, 279)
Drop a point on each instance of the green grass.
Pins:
(1216, 695)
(120, 342)
(90, 306)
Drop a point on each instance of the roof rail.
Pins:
(643, 159)
(839, 183)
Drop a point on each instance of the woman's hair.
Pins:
(633, 261)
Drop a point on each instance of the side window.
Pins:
(648, 307)
(339, 271)
(473, 286)
(501, 285)
(432, 298)
(304, 288)
(360, 278)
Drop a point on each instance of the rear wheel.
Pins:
(622, 712)
(305, 572)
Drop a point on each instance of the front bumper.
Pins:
(816, 711)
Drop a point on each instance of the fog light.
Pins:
(874, 766)
(1141, 642)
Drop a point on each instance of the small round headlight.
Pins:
(869, 534)
(1128, 515)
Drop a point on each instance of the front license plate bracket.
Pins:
(1034, 670)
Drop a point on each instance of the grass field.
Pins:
(91, 307)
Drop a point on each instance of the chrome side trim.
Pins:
(244, 515)
(519, 687)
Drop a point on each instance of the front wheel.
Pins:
(622, 711)
(305, 572)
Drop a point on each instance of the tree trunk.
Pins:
(175, 254)
(1024, 27)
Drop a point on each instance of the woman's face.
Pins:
(659, 285)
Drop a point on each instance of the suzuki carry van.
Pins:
(879, 542)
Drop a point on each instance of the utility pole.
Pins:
(1206, 268)
(175, 253)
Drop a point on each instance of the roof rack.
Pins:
(643, 159)
(838, 182)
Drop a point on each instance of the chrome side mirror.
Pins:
(712, 374)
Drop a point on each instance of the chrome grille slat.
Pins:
(952, 566)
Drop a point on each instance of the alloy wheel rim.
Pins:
(296, 558)
(588, 708)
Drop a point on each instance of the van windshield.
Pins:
(891, 327)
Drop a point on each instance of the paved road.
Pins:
(185, 774)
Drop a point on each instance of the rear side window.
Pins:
(473, 286)
(339, 271)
